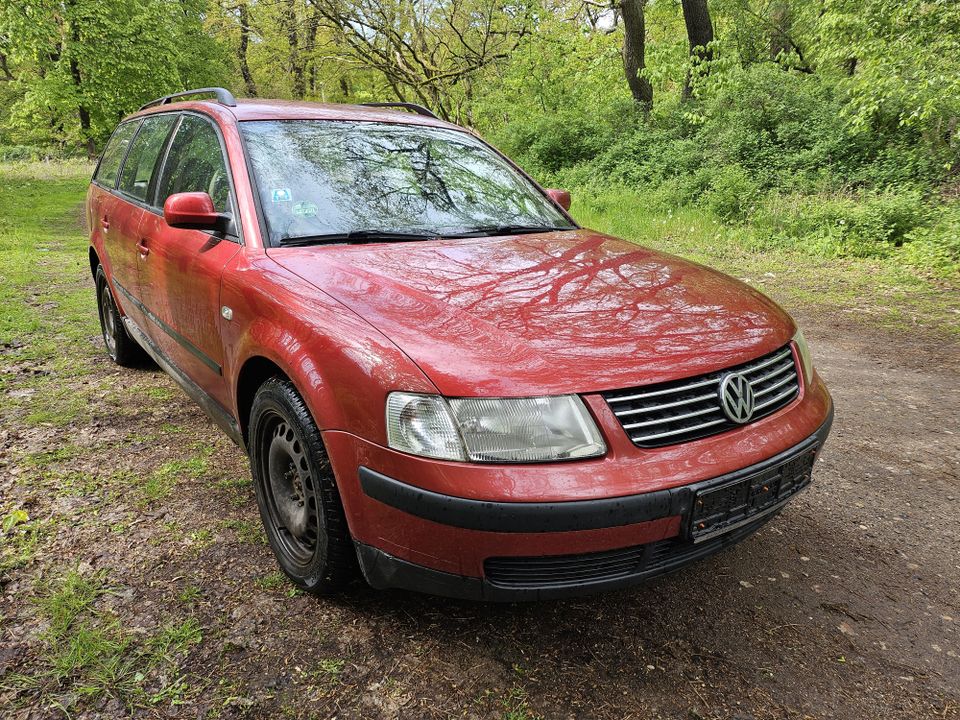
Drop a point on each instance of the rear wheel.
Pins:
(121, 348)
(296, 491)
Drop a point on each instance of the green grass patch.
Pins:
(20, 538)
(274, 581)
(247, 532)
(86, 654)
(161, 481)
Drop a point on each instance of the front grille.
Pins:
(682, 410)
(640, 561)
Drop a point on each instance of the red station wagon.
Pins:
(438, 375)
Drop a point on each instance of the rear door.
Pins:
(181, 269)
(116, 220)
(136, 187)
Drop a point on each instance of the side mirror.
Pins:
(560, 197)
(193, 211)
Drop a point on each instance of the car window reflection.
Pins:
(329, 177)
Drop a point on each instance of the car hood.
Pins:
(573, 311)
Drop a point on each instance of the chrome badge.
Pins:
(736, 398)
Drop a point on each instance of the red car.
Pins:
(438, 375)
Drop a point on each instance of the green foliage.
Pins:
(905, 56)
(80, 66)
(553, 142)
(828, 125)
(935, 246)
(871, 224)
(732, 193)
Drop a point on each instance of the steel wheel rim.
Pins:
(108, 320)
(289, 490)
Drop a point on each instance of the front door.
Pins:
(180, 269)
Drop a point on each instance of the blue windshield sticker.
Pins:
(282, 195)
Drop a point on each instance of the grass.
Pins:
(246, 531)
(46, 321)
(20, 537)
(872, 290)
(160, 483)
(84, 653)
(87, 653)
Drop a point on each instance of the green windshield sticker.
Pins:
(282, 195)
(305, 209)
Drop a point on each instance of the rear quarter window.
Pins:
(113, 154)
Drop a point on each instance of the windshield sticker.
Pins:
(305, 209)
(282, 195)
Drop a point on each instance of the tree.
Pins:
(696, 16)
(80, 65)
(424, 51)
(634, 49)
(244, 19)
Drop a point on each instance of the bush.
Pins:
(936, 247)
(786, 129)
(763, 146)
(731, 194)
(554, 142)
(866, 225)
(20, 152)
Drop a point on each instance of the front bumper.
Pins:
(665, 516)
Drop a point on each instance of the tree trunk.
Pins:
(781, 21)
(288, 21)
(251, 86)
(696, 16)
(83, 112)
(634, 44)
(5, 68)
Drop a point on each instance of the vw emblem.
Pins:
(736, 398)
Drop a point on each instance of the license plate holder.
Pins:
(725, 507)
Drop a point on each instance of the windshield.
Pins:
(351, 180)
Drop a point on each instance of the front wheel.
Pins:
(296, 491)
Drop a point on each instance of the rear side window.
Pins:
(195, 164)
(137, 178)
(113, 154)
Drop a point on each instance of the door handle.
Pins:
(105, 222)
(142, 247)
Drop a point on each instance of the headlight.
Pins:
(538, 429)
(804, 351)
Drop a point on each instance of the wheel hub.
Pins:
(109, 320)
(289, 483)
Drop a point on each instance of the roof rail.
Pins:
(412, 107)
(224, 97)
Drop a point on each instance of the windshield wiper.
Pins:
(358, 236)
(490, 230)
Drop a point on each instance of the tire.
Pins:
(121, 348)
(297, 493)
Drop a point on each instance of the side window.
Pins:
(113, 153)
(195, 164)
(144, 156)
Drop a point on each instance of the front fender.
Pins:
(341, 365)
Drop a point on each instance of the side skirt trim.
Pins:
(214, 410)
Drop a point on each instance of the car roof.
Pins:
(258, 109)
